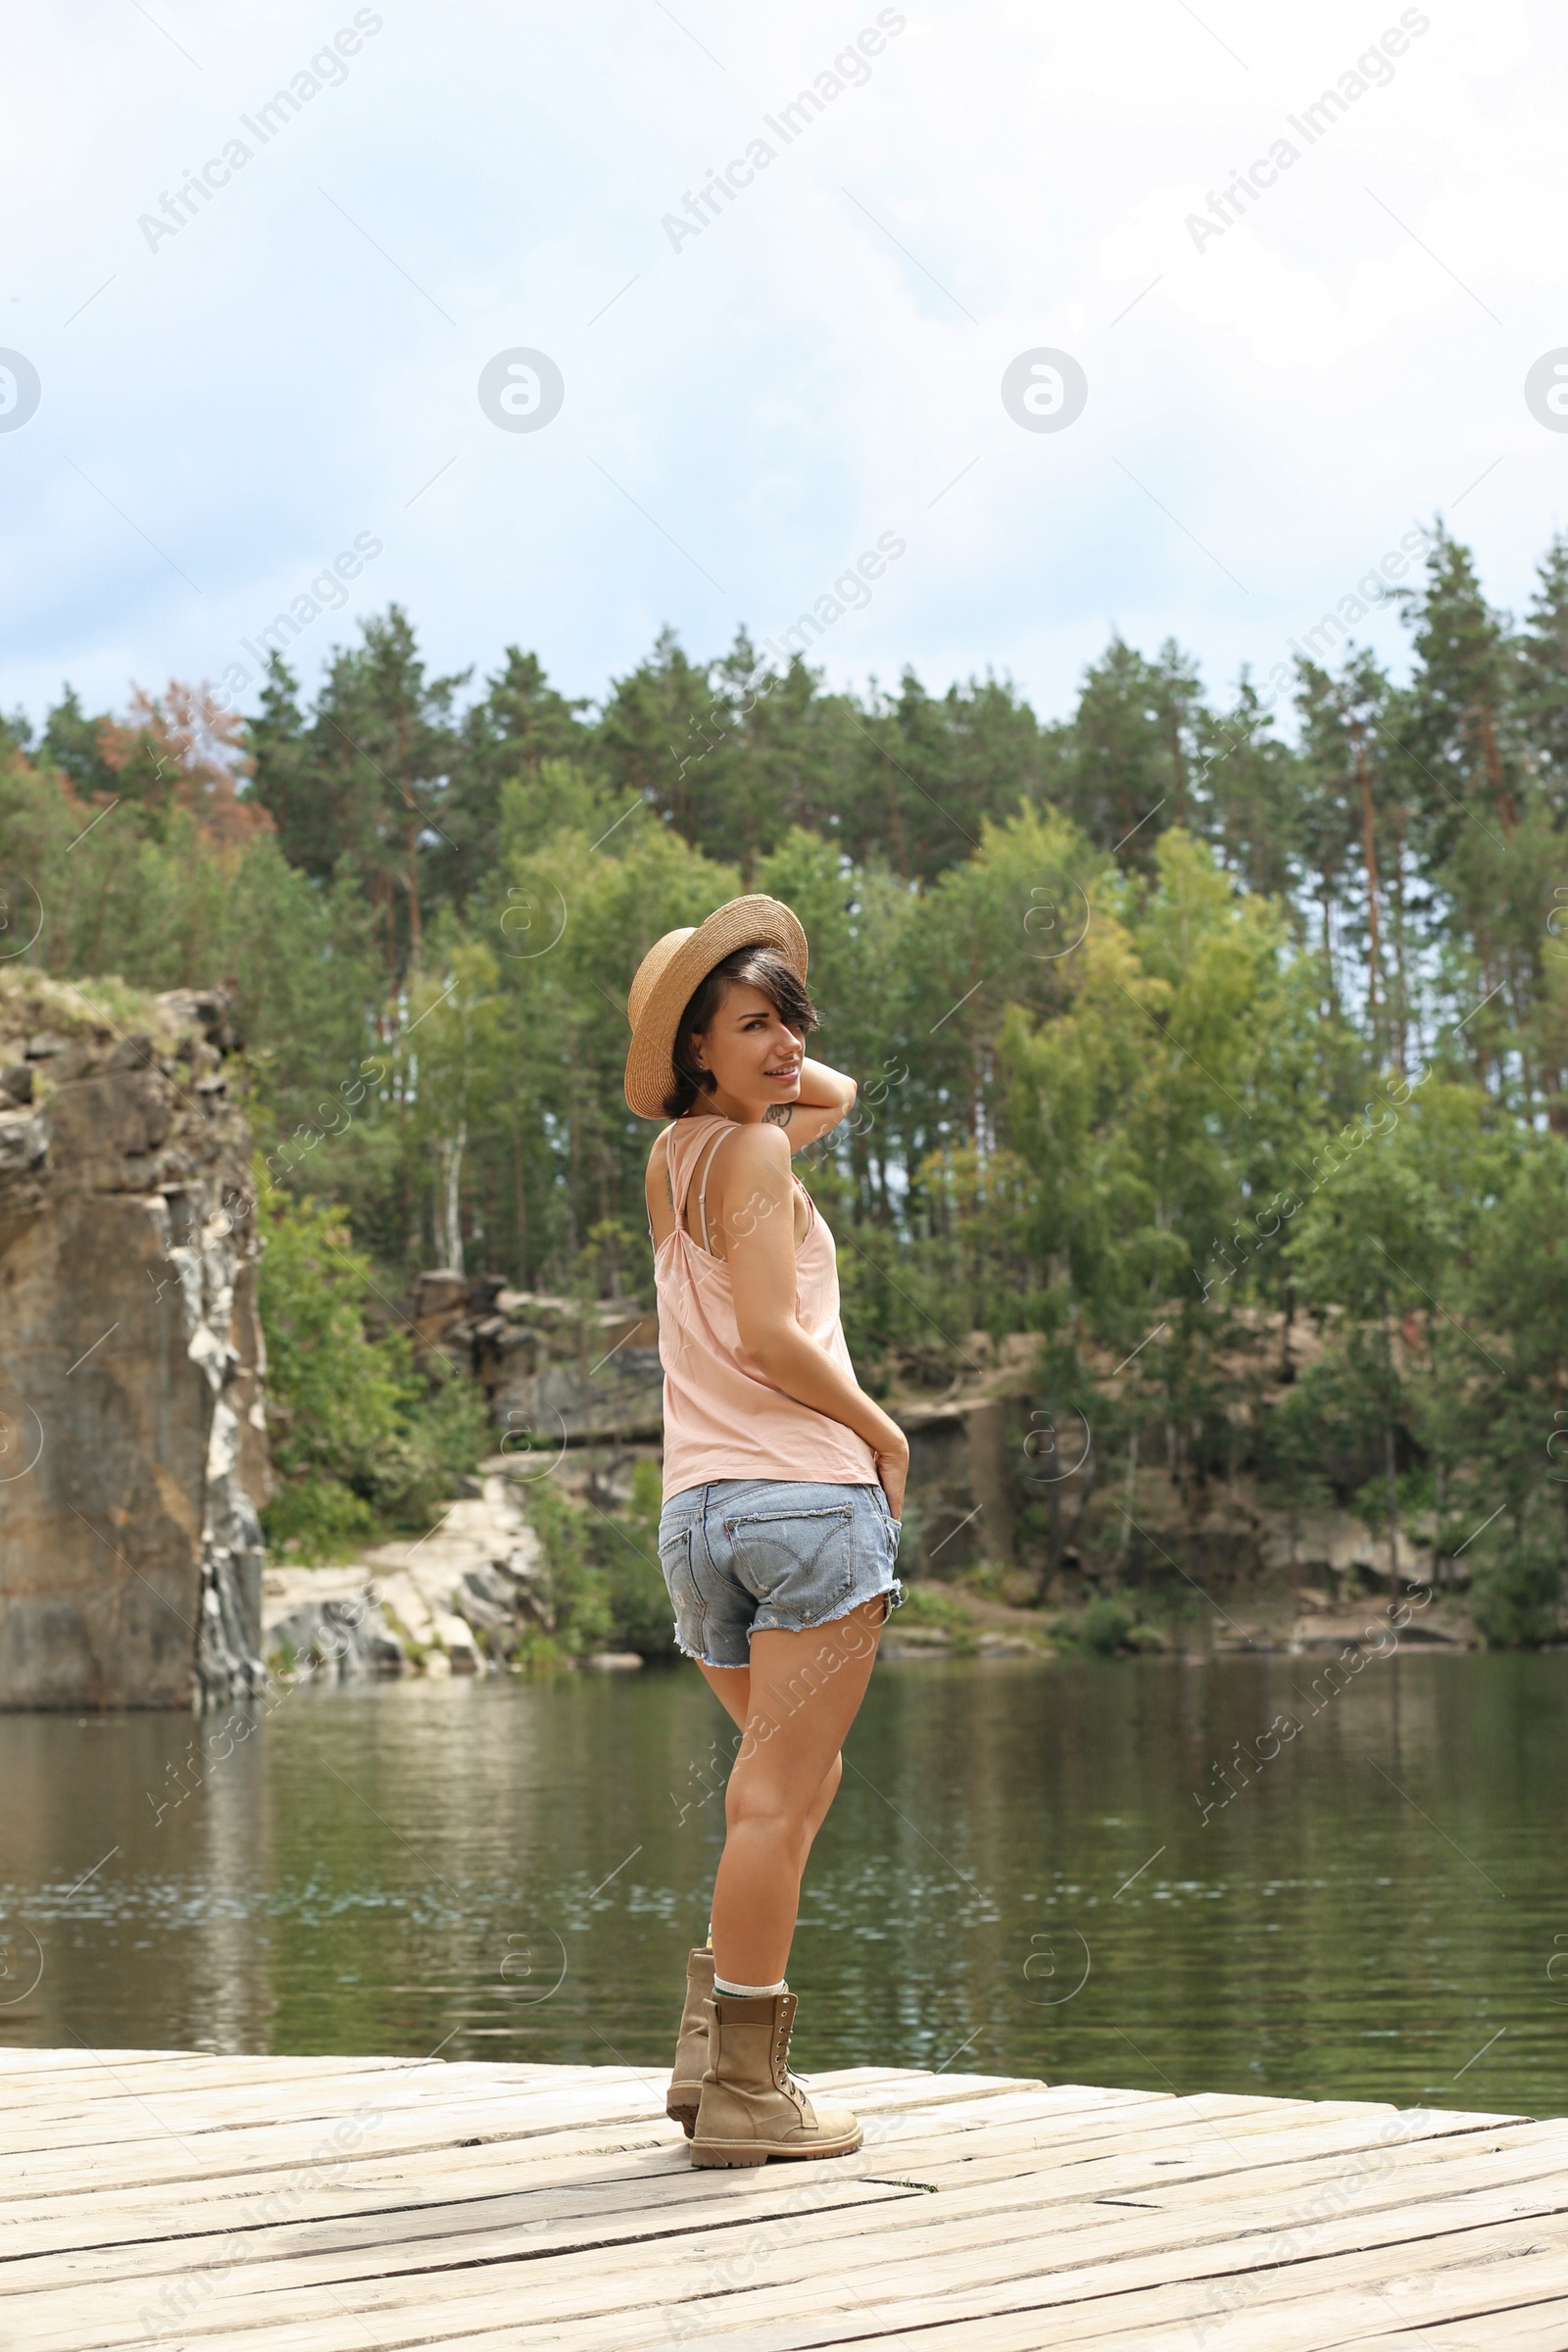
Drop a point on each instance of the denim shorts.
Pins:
(771, 1556)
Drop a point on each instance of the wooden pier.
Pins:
(331, 2204)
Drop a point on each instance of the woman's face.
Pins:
(754, 1056)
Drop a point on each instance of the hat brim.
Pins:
(754, 922)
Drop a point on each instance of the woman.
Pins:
(783, 1481)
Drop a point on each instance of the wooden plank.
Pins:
(228, 2197)
(118, 2122)
(554, 2146)
(947, 2255)
(114, 2092)
(1535, 2328)
(1059, 2314)
(471, 2172)
(517, 2229)
(21, 2069)
(162, 2157)
(928, 2300)
(137, 2117)
(1061, 2217)
(159, 2157)
(1480, 2322)
(1308, 2145)
(1050, 2145)
(1277, 2307)
(105, 2076)
(959, 2249)
(1131, 2163)
(1156, 2154)
(1474, 2295)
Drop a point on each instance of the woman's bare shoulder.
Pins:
(757, 1143)
(657, 1188)
(754, 1155)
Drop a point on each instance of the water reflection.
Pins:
(1127, 1873)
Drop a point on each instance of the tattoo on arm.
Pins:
(778, 1114)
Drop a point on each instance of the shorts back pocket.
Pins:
(799, 1561)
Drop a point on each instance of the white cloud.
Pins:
(814, 369)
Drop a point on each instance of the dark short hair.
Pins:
(760, 967)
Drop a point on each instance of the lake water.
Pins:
(1016, 1876)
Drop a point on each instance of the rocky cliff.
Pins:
(132, 1445)
(1005, 1479)
(556, 1371)
(1002, 1473)
(457, 1601)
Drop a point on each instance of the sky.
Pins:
(208, 398)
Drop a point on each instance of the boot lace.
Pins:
(783, 2079)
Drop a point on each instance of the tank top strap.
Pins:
(701, 1197)
(684, 1142)
(687, 1145)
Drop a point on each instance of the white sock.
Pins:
(747, 1992)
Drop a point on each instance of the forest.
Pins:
(1165, 1015)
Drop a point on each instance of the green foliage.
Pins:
(1109, 1627)
(300, 956)
(578, 1586)
(361, 1442)
(1103, 1628)
(1517, 1599)
(318, 1518)
(607, 1586)
(639, 1603)
(1162, 1025)
(639, 1599)
(339, 1400)
(446, 1430)
(927, 1604)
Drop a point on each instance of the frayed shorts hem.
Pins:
(893, 1593)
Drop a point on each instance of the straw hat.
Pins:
(671, 971)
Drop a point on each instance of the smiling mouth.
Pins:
(791, 1069)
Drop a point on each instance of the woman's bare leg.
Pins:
(731, 1687)
(804, 1691)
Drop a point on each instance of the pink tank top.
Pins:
(723, 1418)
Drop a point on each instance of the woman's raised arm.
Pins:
(825, 1097)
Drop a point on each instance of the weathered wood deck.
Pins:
(327, 2204)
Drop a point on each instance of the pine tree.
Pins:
(1543, 678)
(521, 723)
(74, 743)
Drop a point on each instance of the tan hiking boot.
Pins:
(752, 2106)
(685, 2092)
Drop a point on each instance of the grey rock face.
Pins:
(132, 1446)
(619, 1397)
(556, 1371)
(459, 1600)
(347, 1638)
